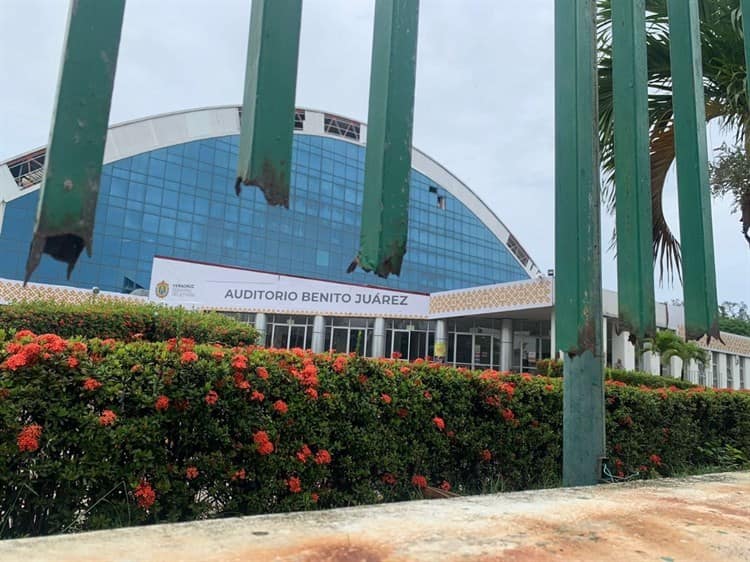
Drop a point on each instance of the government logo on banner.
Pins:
(162, 289)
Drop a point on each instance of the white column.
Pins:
(650, 363)
(708, 368)
(623, 350)
(552, 337)
(604, 339)
(319, 334)
(675, 368)
(441, 340)
(734, 367)
(378, 338)
(722, 382)
(506, 344)
(261, 324)
(691, 371)
(747, 372)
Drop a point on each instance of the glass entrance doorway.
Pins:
(474, 351)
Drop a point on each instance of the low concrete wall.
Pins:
(703, 518)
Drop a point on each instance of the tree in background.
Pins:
(668, 344)
(725, 94)
(734, 318)
(730, 175)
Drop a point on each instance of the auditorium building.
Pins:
(170, 229)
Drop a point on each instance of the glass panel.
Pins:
(482, 351)
(297, 337)
(357, 341)
(280, 336)
(463, 350)
(401, 343)
(418, 347)
(339, 340)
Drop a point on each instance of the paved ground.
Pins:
(703, 518)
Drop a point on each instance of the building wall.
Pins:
(179, 201)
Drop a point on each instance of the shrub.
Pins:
(638, 378)
(554, 368)
(549, 367)
(124, 321)
(97, 434)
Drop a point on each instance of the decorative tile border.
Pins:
(14, 291)
(505, 296)
(733, 343)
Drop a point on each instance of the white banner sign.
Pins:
(196, 285)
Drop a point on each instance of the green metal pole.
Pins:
(696, 232)
(578, 297)
(267, 124)
(635, 265)
(70, 188)
(389, 129)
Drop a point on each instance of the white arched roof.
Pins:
(160, 131)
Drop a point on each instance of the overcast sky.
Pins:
(484, 99)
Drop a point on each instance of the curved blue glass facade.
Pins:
(179, 201)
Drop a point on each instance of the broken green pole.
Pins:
(67, 202)
(696, 232)
(578, 296)
(267, 123)
(389, 129)
(635, 265)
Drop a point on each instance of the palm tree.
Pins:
(668, 344)
(725, 94)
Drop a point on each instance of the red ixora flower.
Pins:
(15, 362)
(91, 384)
(655, 460)
(162, 403)
(211, 398)
(303, 453)
(239, 474)
(28, 439)
(445, 485)
(72, 362)
(257, 396)
(388, 478)
(145, 494)
(486, 455)
(108, 417)
(339, 365)
(312, 393)
(386, 399)
(281, 407)
(419, 481)
(189, 357)
(314, 497)
(262, 372)
(239, 362)
(323, 457)
(265, 447)
(508, 414)
(191, 472)
(295, 485)
(439, 423)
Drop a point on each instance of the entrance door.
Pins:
(482, 352)
(400, 343)
(464, 348)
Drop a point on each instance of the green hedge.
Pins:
(97, 434)
(554, 368)
(124, 321)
